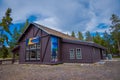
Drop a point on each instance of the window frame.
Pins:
(29, 49)
(79, 53)
(72, 54)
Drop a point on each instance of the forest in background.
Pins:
(110, 40)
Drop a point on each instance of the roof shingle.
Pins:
(54, 32)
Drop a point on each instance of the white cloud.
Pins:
(64, 15)
(49, 22)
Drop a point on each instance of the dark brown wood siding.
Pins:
(89, 52)
(96, 54)
(88, 55)
(44, 41)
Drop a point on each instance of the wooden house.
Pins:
(39, 44)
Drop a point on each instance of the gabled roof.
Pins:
(54, 32)
(50, 32)
(66, 38)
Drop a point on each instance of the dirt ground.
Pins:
(110, 70)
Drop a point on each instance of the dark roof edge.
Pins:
(23, 32)
(28, 27)
(83, 43)
(37, 25)
(63, 39)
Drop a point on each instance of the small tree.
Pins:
(115, 30)
(5, 24)
(73, 34)
(25, 26)
(6, 20)
(80, 36)
(16, 34)
(4, 52)
(88, 36)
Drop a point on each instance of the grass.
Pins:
(5, 58)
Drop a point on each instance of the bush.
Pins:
(4, 52)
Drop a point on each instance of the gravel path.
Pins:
(67, 71)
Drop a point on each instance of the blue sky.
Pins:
(64, 15)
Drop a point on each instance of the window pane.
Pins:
(38, 46)
(27, 55)
(33, 55)
(33, 52)
(32, 46)
(72, 56)
(38, 55)
(78, 54)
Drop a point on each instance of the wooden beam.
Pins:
(40, 37)
(36, 32)
(41, 46)
(45, 48)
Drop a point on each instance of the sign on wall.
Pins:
(54, 48)
(31, 41)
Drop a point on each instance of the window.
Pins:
(32, 52)
(33, 55)
(32, 46)
(78, 53)
(38, 46)
(38, 54)
(72, 55)
(27, 55)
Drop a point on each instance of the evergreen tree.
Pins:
(88, 36)
(107, 42)
(80, 36)
(73, 34)
(4, 52)
(97, 38)
(17, 33)
(22, 29)
(15, 36)
(6, 22)
(115, 30)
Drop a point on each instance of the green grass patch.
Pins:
(5, 58)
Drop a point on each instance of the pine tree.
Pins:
(73, 34)
(5, 24)
(88, 36)
(17, 33)
(115, 29)
(15, 36)
(4, 52)
(107, 42)
(97, 38)
(25, 26)
(80, 36)
(6, 21)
